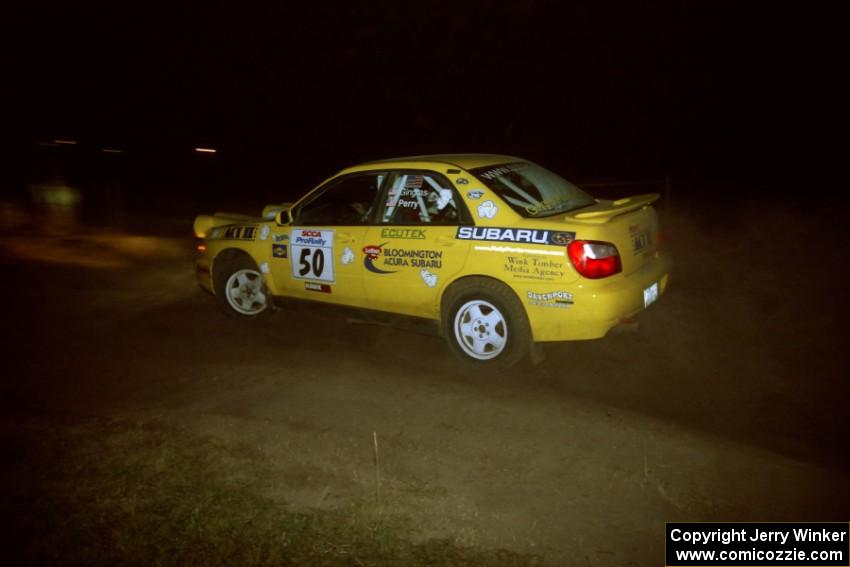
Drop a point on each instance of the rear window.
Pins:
(531, 190)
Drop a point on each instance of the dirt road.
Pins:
(728, 403)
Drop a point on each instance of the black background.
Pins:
(723, 97)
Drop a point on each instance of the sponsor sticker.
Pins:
(524, 235)
(347, 256)
(534, 268)
(236, 232)
(515, 250)
(560, 299)
(475, 194)
(279, 251)
(400, 258)
(462, 181)
(264, 232)
(407, 233)
(312, 254)
(487, 210)
(281, 238)
(429, 278)
(320, 287)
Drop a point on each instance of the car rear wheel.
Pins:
(240, 289)
(485, 324)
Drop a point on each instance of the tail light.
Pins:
(202, 246)
(594, 259)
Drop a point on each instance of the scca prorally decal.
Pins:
(311, 237)
(561, 299)
(312, 251)
(320, 287)
(406, 233)
(279, 251)
(526, 235)
(236, 232)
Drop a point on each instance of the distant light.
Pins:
(206, 150)
(48, 144)
(111, 151)
(66, 142)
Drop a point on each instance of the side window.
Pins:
(420, 198)
(348, 200)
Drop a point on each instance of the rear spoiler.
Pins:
(603, 210)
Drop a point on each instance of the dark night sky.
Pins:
(596, 91)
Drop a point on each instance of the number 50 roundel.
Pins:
(312, 254)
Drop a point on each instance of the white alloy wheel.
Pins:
(245, 292)
(480, 329)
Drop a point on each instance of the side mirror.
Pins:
(283, 217)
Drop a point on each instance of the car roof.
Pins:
(463, 161)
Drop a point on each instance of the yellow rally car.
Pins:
(502, 252)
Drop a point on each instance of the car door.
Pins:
(314, 257)
(411, 251)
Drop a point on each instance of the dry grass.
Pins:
(107, 492)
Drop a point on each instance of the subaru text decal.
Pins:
(527, 235)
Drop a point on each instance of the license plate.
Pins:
(650, 294)
(640, 241)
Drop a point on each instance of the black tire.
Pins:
(485, 324)
(240, 290)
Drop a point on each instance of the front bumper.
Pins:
(203, 273)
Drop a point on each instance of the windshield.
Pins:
(531, 190)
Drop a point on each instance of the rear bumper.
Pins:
(598, 306)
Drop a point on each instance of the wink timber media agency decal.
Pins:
(527, 235)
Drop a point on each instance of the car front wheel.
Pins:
(239, 288)
(485, 324)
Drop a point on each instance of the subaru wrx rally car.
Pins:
(501, 252)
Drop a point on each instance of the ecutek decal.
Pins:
(279, 251)
(400, 257)
(527, 235)
(408, 233)
(562, 299)
(312, 254)
(534, 268)
(322, 288)
(475, 194)
(236, 232)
